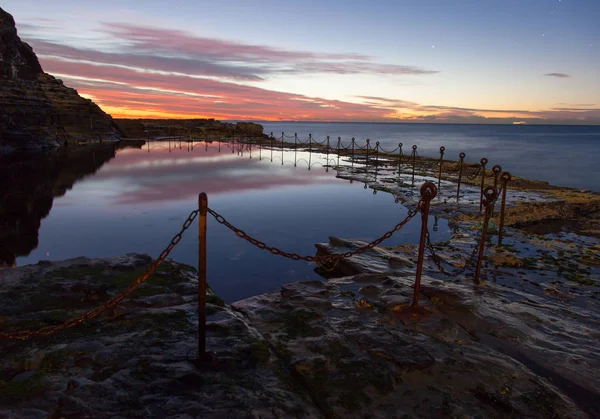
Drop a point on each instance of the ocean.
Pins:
(558, 154)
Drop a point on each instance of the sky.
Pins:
(448, 61)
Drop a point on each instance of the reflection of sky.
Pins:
(138, 201)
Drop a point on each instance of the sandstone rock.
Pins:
(38, 111)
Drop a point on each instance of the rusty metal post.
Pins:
(428, 192)
(462, 158)
(260, 150)
(309, 146)
(282, 141)
(442, 149)
(295, 149)
(376, 160)
(414, 159)
(353, 144)
(506, 177)
(399, 160)
(483, 162)
(497, 169)
(327, 157)
(490, 195)
(272, 139)
(367, 161)
(338, 145)
(202, 207)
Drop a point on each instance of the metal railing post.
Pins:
(399, 160)
(309, 144)
(414, 159)
(282, 140)
(272, 139)
(203, 207)
(506, 177)
(376, 160)
(461, 161)
(327, 157)
(367, 161)
(483, 162)
(497, 169)
(353, 143)
(490, 195)
(428, 192)
(442, 149)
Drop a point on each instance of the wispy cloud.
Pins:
(558, 75)
(165, 51)
(139, 71)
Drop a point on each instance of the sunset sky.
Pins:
(471, 61)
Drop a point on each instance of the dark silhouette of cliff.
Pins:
(29, 182)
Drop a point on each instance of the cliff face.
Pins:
(36, 109)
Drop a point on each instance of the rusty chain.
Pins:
(473, 177)
(318, 259)
(437, 259)
(48, 330)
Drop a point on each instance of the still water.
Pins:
(107, 202)
(561, 155)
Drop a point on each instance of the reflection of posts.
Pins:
(428, 192)
(203, 207)
(435, 222)
(460, 170)
(490, 196)
(506, 177)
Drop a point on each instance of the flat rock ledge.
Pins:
(346, 348)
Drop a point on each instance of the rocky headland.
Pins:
(37, 111)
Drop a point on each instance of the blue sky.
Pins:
(428, 60)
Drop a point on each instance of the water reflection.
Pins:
(137, 201)
(28, 185)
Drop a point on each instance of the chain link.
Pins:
(469, 262)
(318, 259)
(48, 330)
(473, 177)
(438, 259)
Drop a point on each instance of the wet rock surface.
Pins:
(136, 359)
(346, 347)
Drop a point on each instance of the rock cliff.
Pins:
(37, 110)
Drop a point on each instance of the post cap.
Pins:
(428, 191)
(497, 169)
(462, 155)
